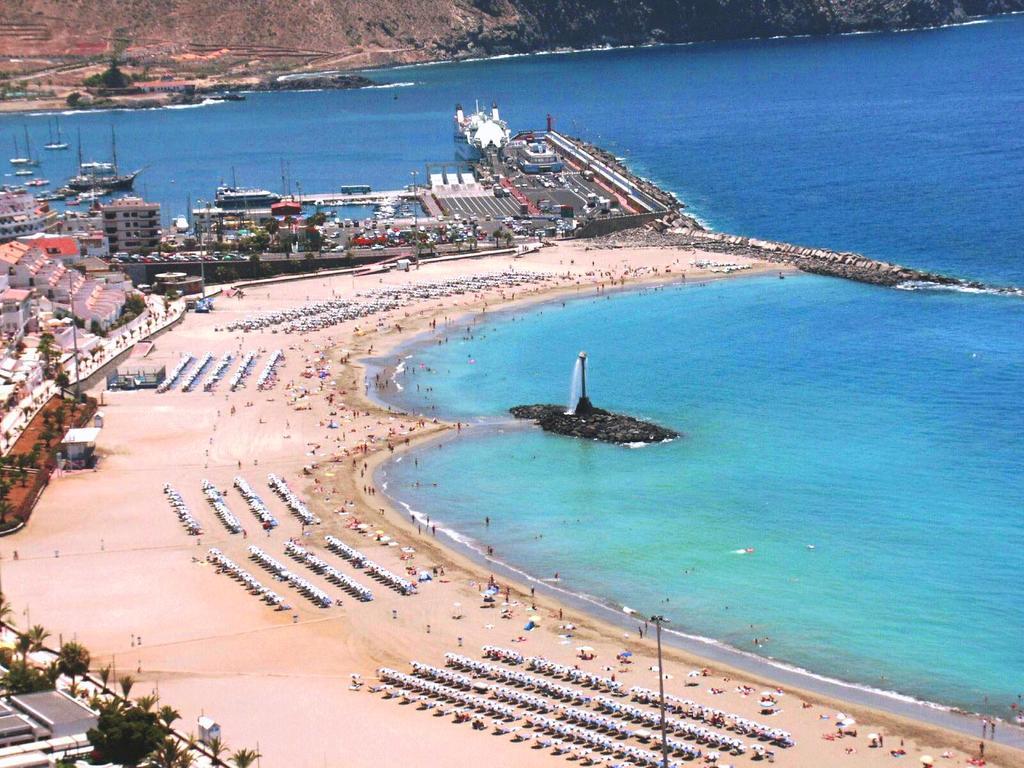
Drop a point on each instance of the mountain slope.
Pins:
(390, 31)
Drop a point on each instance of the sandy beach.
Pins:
(105, 559)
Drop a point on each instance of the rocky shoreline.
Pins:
(595, 424)
(677, 230)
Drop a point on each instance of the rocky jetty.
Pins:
(593, 424)
(677, 230)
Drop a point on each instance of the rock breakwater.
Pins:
(596, 424)
(676, 230)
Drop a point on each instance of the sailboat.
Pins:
(101, 176)
(59, 143)
(18, 159)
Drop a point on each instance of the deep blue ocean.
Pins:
(882, 427)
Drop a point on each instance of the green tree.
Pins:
(74, 659)
(314, 240)
(126, 683)
(244, 758)
(170, 754)
(6, 609)
(147, 703)
(216, 748)
(126, 734)
(168, 715)
(24, 678)
(47, 352)
(37, 636)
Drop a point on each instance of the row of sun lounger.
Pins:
(293, 502)
(192, 380)
(515, 677)
(606, 744)
(227, 565)
(306, 588)
(317, 315)
(218, 372)
(332, 574)
(172, 379)
(713, 716)
(244, 369)
(380, 573)
(338, 547)
(572, 674)
(220, 507)
(472, 701)
(268, 376)
(652, 719)
(256, 504)
(578, 735)
(183, 512)
(503, 654)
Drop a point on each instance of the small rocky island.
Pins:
(583, 420)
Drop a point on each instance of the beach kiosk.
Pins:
(137, 374)
(79, 447)
(209, 729)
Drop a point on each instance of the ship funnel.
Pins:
(458, 113)
(551, 123)
(494, 111)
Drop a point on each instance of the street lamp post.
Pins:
(658, 620)
(415, 203)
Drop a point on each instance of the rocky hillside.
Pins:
(356, 33)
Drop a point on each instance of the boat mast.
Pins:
(113, 148)
(79, 150)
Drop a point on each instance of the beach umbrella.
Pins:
(847, 722)
(927, 760)
(585, 649)
(627, 654)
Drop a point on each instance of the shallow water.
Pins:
(880, 427)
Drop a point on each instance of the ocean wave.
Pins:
(923, 285)
(403, 84)
(73, 112)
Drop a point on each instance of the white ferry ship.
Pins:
(478, 132)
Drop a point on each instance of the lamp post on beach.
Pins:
(658, 620)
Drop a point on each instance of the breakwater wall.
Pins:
(676, 230)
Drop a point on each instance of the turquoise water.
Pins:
(882, 427)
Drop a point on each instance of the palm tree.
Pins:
(216, 748)
(167, 715)
(74, 659)
(104, 673)
(244, 758)
(148, 702)
(6, 611)
(37, 635)
(170, 754)
(23, 645)
(126, 683)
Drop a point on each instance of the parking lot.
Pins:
(480, 204)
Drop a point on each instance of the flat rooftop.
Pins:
(51, 707)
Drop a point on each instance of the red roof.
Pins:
(15, 294)
(57, 246)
